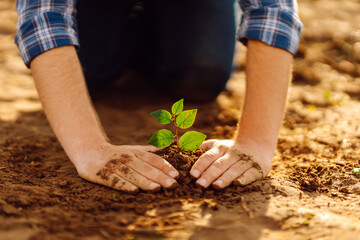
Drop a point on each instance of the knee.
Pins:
(196, 82)
(100, 76)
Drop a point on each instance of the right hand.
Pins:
(127, 168)
(75, 123)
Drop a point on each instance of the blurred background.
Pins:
(328, 55)
(318, 147)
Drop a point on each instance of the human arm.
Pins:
(267, 78)
(64, 96)
(268, 65)
(47, 39)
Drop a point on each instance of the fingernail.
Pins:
(154, 186)
(134, 190)
(201, 182)
(218, 183)
(195, 173)
(170, 183)
(237, 182)
(173, 174)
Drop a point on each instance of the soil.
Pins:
(182, 161)
(310, 193)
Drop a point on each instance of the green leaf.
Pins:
(356, 171)
(177, 107)
(162, 116)
(162, 138)
(186, 119)
(191, 140)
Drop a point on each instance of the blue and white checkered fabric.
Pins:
(274, 22)
(46, 24)
(43, 25)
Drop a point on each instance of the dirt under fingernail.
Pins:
(173, 185)
(217, 187)
(156, 189)
(237, 182)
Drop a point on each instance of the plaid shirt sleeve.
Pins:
(43, 25)
(274, 22)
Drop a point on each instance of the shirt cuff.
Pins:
(43, 32)
(273, 26)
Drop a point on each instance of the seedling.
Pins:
(163, 138)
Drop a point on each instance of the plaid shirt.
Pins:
(46, 24)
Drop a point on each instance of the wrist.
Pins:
(257, 142)
(85, 151)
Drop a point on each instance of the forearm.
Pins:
(267, 81)
(66, 102)
(248, 157)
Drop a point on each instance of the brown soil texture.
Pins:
(181, 160)
(310, 192)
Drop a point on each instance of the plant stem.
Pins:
(176, 132)
(176, 136)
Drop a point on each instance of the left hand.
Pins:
(227, 161)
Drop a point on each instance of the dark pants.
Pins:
(185, 46)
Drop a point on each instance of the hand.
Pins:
(226, 161)
(127, 168)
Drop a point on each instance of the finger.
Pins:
(208, 144)
(232, 173)
(146, 169)
(136, 178)
(123, 166)
(216, 169)
(157, 162)
(114, 181)
(251, 175)
(206, 160)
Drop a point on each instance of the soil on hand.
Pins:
(310, 192)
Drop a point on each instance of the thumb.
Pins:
(208, 144)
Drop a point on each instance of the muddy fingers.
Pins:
(148, 171)
(221, 166)
(229, 164)
(244, 162)
(232, 173)
(137, 179)
(158, 163)
(118, 167)
(115, 181)
(206, 160)
(251, 175)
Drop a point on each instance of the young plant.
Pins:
(189, 141)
